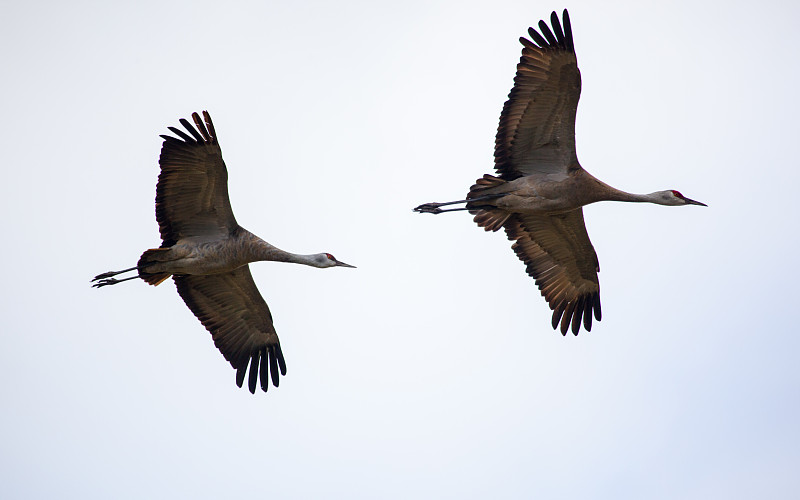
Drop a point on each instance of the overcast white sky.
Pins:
(430, 371)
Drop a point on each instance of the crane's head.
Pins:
(673, 198)
(328, 260)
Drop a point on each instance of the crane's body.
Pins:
(549, 195)
(201, 257)
(207, 254)
(541, 187)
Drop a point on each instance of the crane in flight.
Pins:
(207, 254)
(540, 187)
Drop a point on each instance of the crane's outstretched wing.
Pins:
(536, 134)
(231, 308)
(559, 256)
(192, 192)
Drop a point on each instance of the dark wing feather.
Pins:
(231, 308)
(559, 256)
(192, 192)
(537, 126)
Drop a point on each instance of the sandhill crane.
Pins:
(207, 254)
(541, 187)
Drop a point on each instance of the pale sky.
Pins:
(431, 371)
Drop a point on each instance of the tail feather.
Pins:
(484, 183)
(486, 216)
(149, 257)
(490, 219)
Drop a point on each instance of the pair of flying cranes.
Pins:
(537, 198)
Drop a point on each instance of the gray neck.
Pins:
(604, 192)
(618, 195)
(259, 250)
(595, 190)
(269, 252)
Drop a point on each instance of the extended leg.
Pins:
(433, 208)
(112, 273)
(112, 281)
(425, 209)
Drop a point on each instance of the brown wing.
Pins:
(537, 126)
(230, 307)
(559, 256)
(192, 192)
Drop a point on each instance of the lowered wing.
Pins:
(559, 256)
(233, 311)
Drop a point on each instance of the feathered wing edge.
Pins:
(559, 256)
(192, 190)
(537, 124)
(233, 311)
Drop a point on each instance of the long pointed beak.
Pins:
(342, 264)
(692, 202)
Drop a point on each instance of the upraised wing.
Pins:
(192, 192)
(559, 256)
(536, 134)
(233, 311)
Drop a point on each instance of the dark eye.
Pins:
(677, 193)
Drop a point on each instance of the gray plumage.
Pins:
(540, 187)
(207, 254)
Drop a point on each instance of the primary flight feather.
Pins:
(540, 187)
(207, 254)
